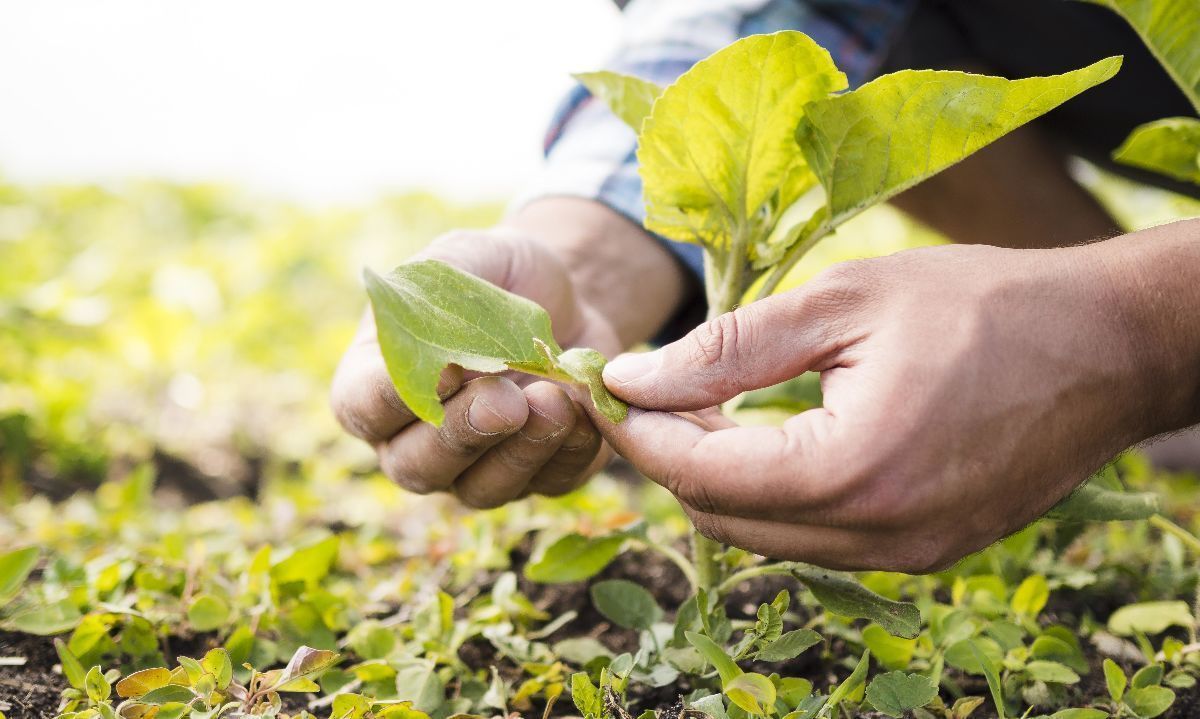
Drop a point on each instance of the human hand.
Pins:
(966, 391)
(503, 436)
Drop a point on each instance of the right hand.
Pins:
(504, 436)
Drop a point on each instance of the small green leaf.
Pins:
(872, 143)
(1079, 714)
(419, 683)
(1031, 596)
(1093, 503)
(1114, 678)
(1170, 147)
(1051, 672)
(993, 680)
(585, 695)
(586, 367)
(1147, 676)
(788, 645)
(626, 604)
(1149, 702)
(891, 651)
(852, 683)
(842, 595)
(630, 98)
(97, 687)
(712, 705)
(208, 612)
(15, 567)
(753, 693)
(216, 662)
(308, 564)
(964, 654)
(573, 558)
(716, 656)
(72, 669)
(895, 693)
(1150, 617)
(168, 694)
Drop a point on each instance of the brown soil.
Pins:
(32, 690)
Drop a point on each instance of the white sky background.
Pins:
(321, 101)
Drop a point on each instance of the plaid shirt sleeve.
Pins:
(590, 153)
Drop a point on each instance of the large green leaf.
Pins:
(717, 154)
(881, 139)
(630, 98)
(1170, 147)
(840, 594)
(430, 315)
(1171, 29)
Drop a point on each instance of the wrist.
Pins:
(1153, 282)
(615, 266)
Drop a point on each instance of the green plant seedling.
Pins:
(430, 315)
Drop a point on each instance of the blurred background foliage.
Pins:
(197, 326)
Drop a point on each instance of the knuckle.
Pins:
(408, 478)
(476, 499)
(711, 526)
(718, 339)
(697, 495)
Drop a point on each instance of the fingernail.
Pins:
(632, 367)
(486, 420)
(545, 429)
(577, 440)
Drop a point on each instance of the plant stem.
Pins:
(704, 556)
(788, 261)
(723, 289)
(1189, 540)
(759, 570)
(676, 557)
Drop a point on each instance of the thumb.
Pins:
(754, 346)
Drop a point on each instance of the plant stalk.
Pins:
(723, 290)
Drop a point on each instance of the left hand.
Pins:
(966, 391)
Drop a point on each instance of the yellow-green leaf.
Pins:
(1171, 29)
(717, 154)
(872, 143)
(630, 98)
(208, 612)
(1031, 596)
(1150, 617)
(1170, 147)
(754, 693)
(142, 682)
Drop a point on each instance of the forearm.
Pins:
(617, 268)
(1155, 279)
